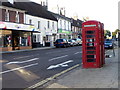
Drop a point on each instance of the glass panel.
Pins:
(90, 44)
(91, 56)
(90, 40)
(90, 36)
(25, 39)
(90, 32)
(90, 60)
(91, 48)
(90, 52)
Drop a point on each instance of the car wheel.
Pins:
(64, 46)
(57, 47)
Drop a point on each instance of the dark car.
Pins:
(61, 43)
(108, 43)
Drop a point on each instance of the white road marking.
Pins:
(18, 68)
(23, 61)
(107, 51)
(64, 64)
(57, 58)
(77, 52)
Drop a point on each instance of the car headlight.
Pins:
(110, 45)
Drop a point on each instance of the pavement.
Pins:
(27, 49)
(105, 77)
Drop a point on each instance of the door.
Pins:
(16, 35)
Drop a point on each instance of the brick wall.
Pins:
(12, 15)
(2, 15)
(21, 16)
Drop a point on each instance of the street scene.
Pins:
(50, 44)
(34, 66)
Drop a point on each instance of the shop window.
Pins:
(38, 38)
(34, 37)
(25, 39)
(1, 40)
(5, 38)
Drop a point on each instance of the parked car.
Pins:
(72, 42)
(108, 43)
(78, 41)
(61, 43)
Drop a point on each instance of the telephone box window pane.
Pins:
(91, 56)
(90, 44)
(91, 48)
(90, 32)
(90, 40)
(90, 60)
(90, 36)
(90, 52)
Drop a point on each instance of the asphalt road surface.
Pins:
(23, 69)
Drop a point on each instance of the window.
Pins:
(38, 24)
(6, 15)
(64, 24)
(17, 17)
(48, 24)
(25, 39)
(53, 25)
(68, 25)
(5, 38)
(30, 21)
(60, 23)
(34, 37)
(38, 38)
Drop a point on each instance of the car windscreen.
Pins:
(108, 41)
(59, 40)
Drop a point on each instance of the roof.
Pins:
(31, 8)
(60, 16)
(77, 23)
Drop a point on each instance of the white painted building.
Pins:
(47, 29)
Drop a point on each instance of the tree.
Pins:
(107, 33)
(115, 33)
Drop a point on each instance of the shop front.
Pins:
(65, 34)
(15, 38)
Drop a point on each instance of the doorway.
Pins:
(15, 36)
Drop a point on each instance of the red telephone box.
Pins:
(93, 44)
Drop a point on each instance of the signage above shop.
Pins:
(16, 26)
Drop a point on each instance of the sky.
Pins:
(105, 11)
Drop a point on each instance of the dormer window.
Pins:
(17, 17)
(6, 15)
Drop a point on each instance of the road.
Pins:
(23, 69)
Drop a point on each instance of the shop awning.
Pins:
(17, 26)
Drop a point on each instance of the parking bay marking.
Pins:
(64, 64)
(57, 58)
(15, 62)
(18, 68)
